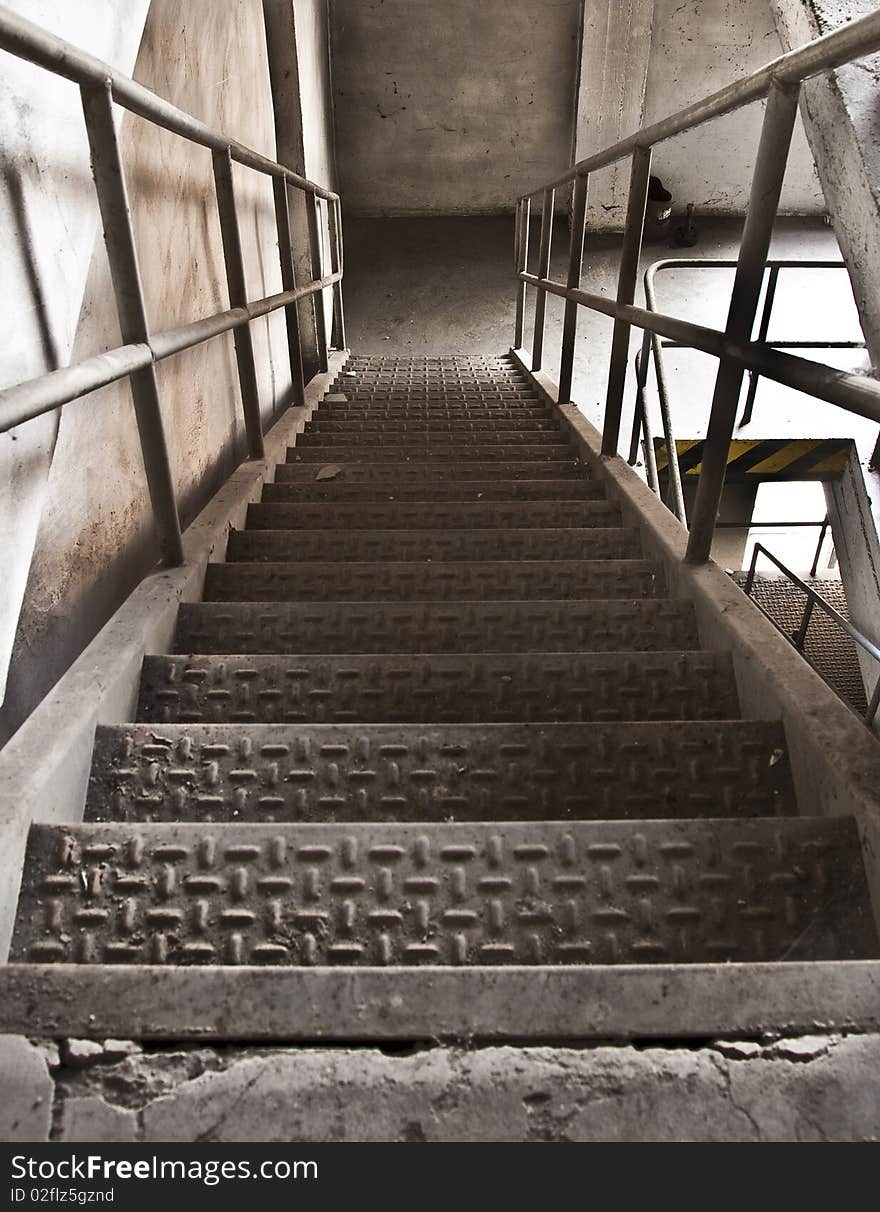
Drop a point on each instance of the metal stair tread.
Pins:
(391, 515)
(340, 489)
(469, 453)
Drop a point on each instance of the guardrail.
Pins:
(814, 599)
(100, 87)
(780, 82)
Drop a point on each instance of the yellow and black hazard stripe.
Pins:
(766, 458)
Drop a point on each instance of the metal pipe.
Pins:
(288, 281)
(643, 421)
(640, 363)
(313, 218)
(125, 274)
(26, 40)
(801, 638)
(525, 212)
(237, 287)
(776, 133)
(334, 220)
(578, 221)
(674, 484)
(814, 567)
(626, 292)
(543, 271)
(856, 393)
(754, 377)
(850, 41)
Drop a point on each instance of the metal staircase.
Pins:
(413, 728)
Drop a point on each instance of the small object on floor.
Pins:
(658, 212)
(686, 234)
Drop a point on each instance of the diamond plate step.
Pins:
(340, 489)
(643, 625)
(422, 442)
(521, 416)
(403, 688)
(595, 543)
(377, 452)
(469, 580)
(425, 428)
(429, 772)
(609, 893)
(391, 475)
(422, 515)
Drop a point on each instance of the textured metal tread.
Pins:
(572, 543)
(462, 454)
(392, 435)
(424, 429)
(430, 688)
(624, 892)
(425, 772)
(341, 489)
(422, 515)
(390, 473)
(463, 580)
(640, 625)
(418, 415)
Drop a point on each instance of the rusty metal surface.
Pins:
(438, 772)
(606, 893)
(421, 428)
(417, 444)
(572, 543)
(391, 476)
(438, 515)
(376, 452)
(343, 488)
(647, 625)
(420, 688)
(472, 580)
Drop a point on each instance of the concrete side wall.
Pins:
(450, 107)
(94, 535)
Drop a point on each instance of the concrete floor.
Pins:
(432, 286)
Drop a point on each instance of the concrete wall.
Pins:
(94, 538)
(450, 107)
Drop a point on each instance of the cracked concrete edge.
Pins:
(44, 767)
(835, 759)
(816, 1088)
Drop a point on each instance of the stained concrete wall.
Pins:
(448, 107)
(94, 537)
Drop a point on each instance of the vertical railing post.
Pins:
(233, 256)
(578, 220)
(288, 282)
(125, 273)
(626, 292)
(763, 330)
(334, 220)
(543, 272)
(313, 217)
(522, 257)
(776, 132)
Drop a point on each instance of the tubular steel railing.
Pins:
(652, 349)
(100, 87)
(780, 82)
(814, 599)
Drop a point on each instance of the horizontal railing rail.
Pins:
(101, 86)
(652, 351)
(780, 83)
(814, 598)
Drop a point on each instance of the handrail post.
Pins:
(334, 220)
(313, 218)
(578, 220)
(522, 257)
(626, 293)
(233, 256)
(754, 376)
(125, 273)
(801, 637)
(776, 132)
(750, 579)
(288, 282)
(814, 567)
(543, 272)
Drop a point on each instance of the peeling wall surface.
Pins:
(94, 539)
(449, 107)
(699, 46)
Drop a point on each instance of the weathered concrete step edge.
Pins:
(392, 474)
(636, 625)
(421, 515)
(463, 580)
(341, 489)
(572, 543)
(432, 688)
(435, 772)
(542, 893)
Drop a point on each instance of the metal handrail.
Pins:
(814, 599)
(780, 82)
(653, 346)
(100, 87)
